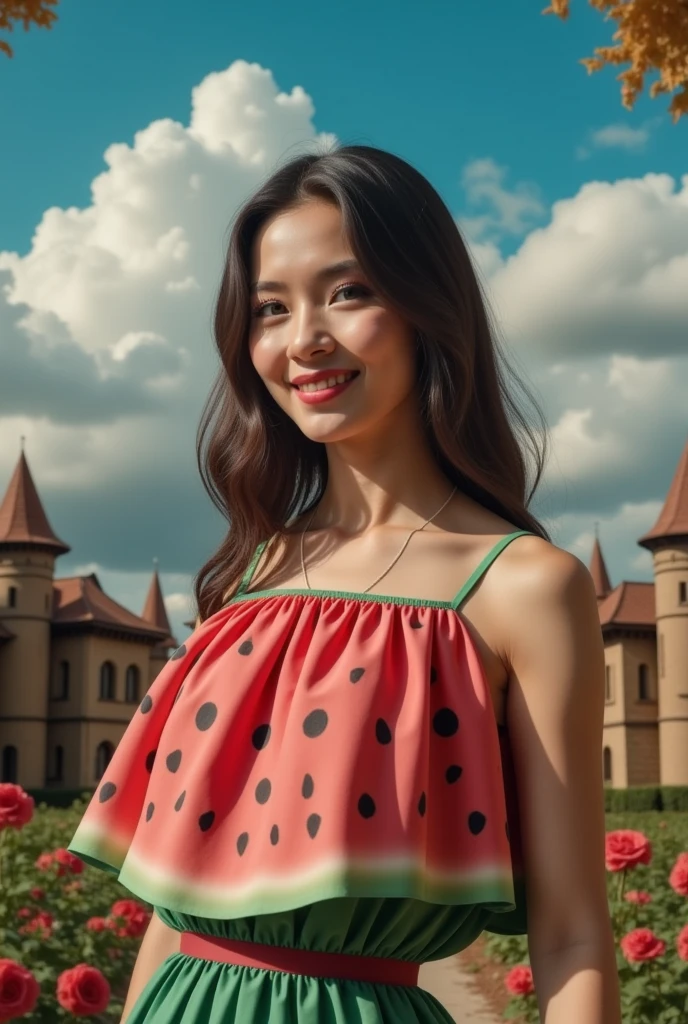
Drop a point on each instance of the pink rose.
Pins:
(682, 943)
(678, 879)
(96, 924)
(638, 896)
(625, 848)
(642, 944)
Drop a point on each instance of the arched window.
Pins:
(61, 690)
(131, 686)
(12, 597)
(104, 752)
(59, 764)
(607, 764)
(107, 681)
(643, 682)
(9, 764)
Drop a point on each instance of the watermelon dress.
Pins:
(316, 772)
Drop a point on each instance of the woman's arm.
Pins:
(159, 942)
(555, 712)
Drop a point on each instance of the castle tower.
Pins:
(154, 611)
(668, 542)
(28, 550)
(598, 570)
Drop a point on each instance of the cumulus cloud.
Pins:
(508, 211)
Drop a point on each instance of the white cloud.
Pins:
(508, 211)
(620, 136)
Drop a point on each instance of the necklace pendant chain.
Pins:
(397, 557)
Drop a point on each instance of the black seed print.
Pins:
(179, 693)
(315, 723)
(307, 787)
(180, 800)
(179, 653)
(173, 760)
(453, 773)
(445, 722)
(107, 790)
(150, 760)
(416, 624)
(242, 843)
(313, 824)
(206, 820)
(366, 806)
(195, 660)
(422, 805)
(476, 822)
(355, 674)
(149, 811)
(274, 835)
(246, 647)
(506, 829)
(263, 790)
(382, 731)
(205, 716)
(260, 737)
(433, 674)
(145, 705)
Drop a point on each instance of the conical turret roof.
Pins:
(672, 522)
(22, 516)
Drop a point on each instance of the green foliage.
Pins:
(69, 943)
(656, 991)
(646, 798)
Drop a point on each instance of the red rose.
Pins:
(96, 924)
(642, 944)
(37, 894)
(83, 990)
(24, 912)
(625, 848)
(638, 896)
(68, 862)
(42, 923)
(16, 806)
(125, 908)
(19, 990)
(44, 861)
(519, 981)
(678, 879)
(682, 943)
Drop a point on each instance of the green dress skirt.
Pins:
(190, 990)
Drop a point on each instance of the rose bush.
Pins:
(69, 933)
(650, 922)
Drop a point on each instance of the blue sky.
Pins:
(129, 133)
(458, 82)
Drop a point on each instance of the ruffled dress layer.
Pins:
(323, 771)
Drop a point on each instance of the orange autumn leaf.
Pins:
(36, 12)
(651, 37)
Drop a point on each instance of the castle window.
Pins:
(12, 597)
(131, 686)
(9, 764)
(61, 687)
(682, 595)
(58, 765)
(608, 696)
(607, 764)
(643, 682)
(104, 752)
(107, 681)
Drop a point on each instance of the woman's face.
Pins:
(306, 319)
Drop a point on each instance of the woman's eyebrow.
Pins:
(332, 271)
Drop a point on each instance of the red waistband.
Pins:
(348, 966)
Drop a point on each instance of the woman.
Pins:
(376, 749)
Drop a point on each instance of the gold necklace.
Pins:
(417, 530)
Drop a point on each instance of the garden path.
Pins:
(449, 983)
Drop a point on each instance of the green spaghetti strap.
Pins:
(251, 568)
(486, 562)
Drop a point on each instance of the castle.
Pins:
(74, 664)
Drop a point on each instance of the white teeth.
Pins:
(329, 383)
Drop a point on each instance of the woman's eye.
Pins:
(259, 311)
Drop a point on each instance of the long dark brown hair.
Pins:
(259, 469)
